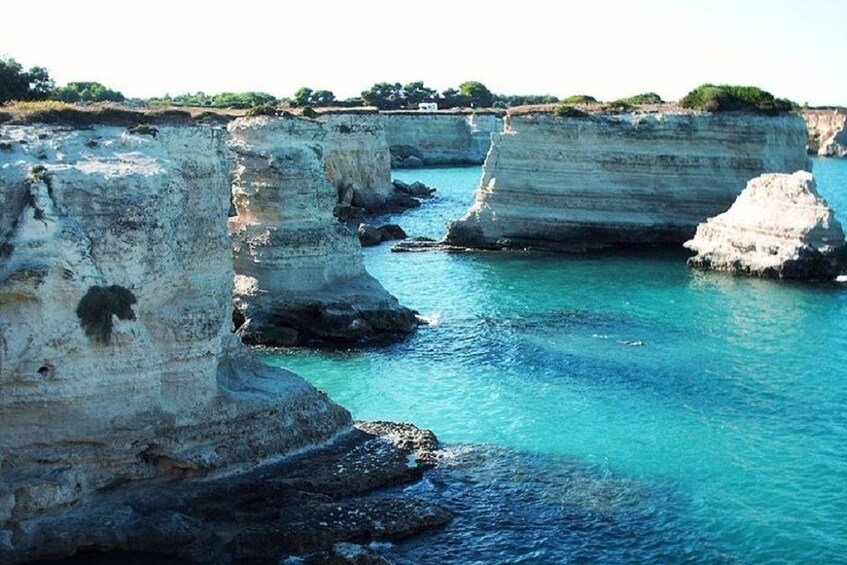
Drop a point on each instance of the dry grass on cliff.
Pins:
(596, 108)
(52, 112)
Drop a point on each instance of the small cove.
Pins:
(614, 407)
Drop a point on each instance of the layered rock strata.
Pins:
(300, 278)
(418, 139)
(827, 132)
(117, 361)
(779, 227)
(572, 183)
(355, 152)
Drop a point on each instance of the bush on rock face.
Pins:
(96, 308)
(565, 111)
(727, 98)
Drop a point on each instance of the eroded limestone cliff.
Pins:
(117, 361)
(444, 138)
(357, 159)
(827, 132)
(300, 276)
(778, 227)
(597, 180)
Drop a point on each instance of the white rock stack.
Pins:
(571, 183)
(300, 277)
(778, 227)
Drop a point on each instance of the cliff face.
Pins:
(423, 139)
(117, 361)
(827, 135)
(580, 182)
(300, 275)
(356, 154)
(779, 227)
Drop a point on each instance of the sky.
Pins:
(610, 49)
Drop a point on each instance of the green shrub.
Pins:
(728, 98)
(565, 111)
(619, 106)
(644, 98)
(309, 112)
(261, 110)
(579, 99)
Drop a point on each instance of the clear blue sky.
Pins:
(614, 48)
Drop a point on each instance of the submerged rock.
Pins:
(778, 227)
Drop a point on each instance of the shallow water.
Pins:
(615, 407)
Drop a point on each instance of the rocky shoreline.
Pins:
(303, 506)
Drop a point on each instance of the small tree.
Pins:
(17, 84)
(477, 93)
(302, 96)
(416, 92)
(385, 96)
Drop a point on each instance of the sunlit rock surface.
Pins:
(573, 183)
(778, 227)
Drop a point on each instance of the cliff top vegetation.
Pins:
(729, 98)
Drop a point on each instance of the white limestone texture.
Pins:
(356, 155)
(300, 274)
(575, 183)
(441, 138)
(117, 361)
(827, 132)
(779, 227)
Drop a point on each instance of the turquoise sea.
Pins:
(609, 408)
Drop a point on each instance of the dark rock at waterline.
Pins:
(346, 554)
(405, 157)
(340, 323)
(392, 231)
(368, 235)
(398, 202)
(417, 188)
(310, 505)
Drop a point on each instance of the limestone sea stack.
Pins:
(418, 139)
(356, 155)
(779, 227)
(117, 359)
(827, 132)
(591, 180)
(300, 277)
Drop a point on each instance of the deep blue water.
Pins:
(610, 408)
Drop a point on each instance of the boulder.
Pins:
(417, 188)
(369, 235)
(778, 227)
(392, 231)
